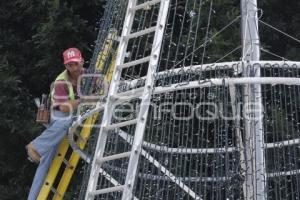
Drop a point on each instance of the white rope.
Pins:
(273, 54)
(209, 39)
(229, 53)
(276, 29)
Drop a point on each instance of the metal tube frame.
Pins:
(237, 66)
(254, 139)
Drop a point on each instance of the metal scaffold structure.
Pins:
(182, 120)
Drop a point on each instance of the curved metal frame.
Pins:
(237, 66)
(74, 126)
(207, 83)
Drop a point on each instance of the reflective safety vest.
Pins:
(63, 78)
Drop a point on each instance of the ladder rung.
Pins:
(140, 33)
(114, 157)
(55, 192)
(107, 190)
(135, 62)
(80, 137)
(143, 5)
(121, 124)
(67, 163)
(128, 95)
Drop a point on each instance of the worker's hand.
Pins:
(69, 106)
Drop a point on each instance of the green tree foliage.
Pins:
(33, 34)
(284, 16)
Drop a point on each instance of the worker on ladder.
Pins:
(64, 100)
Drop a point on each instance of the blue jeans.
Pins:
(46, 145)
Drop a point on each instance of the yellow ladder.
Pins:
(71, 163)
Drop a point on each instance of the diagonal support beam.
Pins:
(111, 179)
(128, 138)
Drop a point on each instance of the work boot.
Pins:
(33, 155)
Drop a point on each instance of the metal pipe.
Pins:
(227, 82)
(236, 66)
(73, 128)
(254, 139)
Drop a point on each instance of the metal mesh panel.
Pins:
(200, 142)
(195, 145)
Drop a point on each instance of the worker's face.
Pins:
(74, 68)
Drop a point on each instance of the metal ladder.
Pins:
(143, 93)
